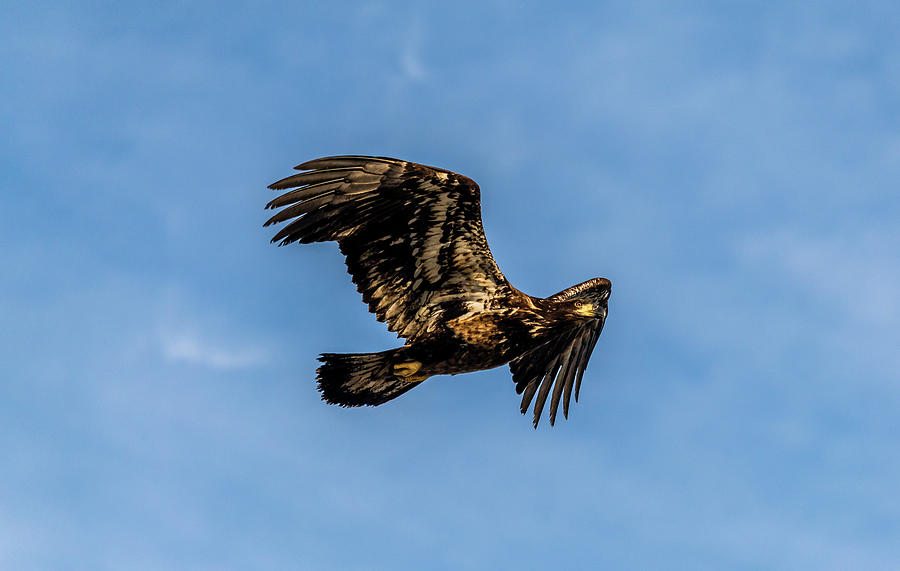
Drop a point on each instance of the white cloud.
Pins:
(411, 55)
(188, 333)
(854, 272)
(191, 347)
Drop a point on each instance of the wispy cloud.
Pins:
(411, 62)
(411, 59)
(188, 333)
(855, 273)
(191, 347)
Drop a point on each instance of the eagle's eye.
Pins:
(579, 304)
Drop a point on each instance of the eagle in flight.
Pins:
(415, 248)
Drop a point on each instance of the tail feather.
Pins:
(358, 379)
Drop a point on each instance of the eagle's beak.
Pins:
(587, 310)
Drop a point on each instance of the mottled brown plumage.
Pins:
(415, 248)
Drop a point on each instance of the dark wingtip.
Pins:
(309, 165)
(322, 162)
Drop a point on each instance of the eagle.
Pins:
(415, 248)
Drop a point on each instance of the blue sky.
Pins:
(732, 169)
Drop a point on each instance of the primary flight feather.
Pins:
(416, 250)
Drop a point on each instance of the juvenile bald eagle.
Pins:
(416, 250)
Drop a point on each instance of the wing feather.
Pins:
(546, 384)
(583, 364)
(573, 369)
(559, 363)
(411, 234)
(561, 381)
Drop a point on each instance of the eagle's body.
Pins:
(415, 247)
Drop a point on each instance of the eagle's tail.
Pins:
(357, 379)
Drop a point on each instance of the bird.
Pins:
(415, 247)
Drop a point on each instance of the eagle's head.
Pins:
(587, 299)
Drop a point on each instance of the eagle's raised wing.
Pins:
(411, 234)
(559, 364)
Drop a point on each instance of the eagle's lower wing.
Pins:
(411, 234)
(558, 364)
